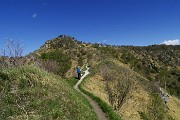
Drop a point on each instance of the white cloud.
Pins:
(104, 41)
(34, 15)
(171, 42)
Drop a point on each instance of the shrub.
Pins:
(60, 63)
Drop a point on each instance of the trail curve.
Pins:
(101, 115)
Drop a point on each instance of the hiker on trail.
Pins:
(79, 72)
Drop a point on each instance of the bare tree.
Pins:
(14, 48)
(118, 85)
(12, 53)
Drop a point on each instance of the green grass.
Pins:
(32, 93)
(112, 115)
(72, 81)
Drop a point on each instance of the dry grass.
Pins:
(129, 111)
(174, 107)
(138, 102)
(139, 97)
(96, 85)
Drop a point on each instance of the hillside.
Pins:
(159, 63)
(110, 80)
(139, 71)
(32, 93)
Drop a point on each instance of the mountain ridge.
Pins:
(153, 66)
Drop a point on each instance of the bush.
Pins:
(60, 63)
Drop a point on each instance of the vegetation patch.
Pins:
(56, 61)
(31, 93)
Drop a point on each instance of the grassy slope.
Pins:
(139, 96)
(96, 85)
(32, 93)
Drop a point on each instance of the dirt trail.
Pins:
(101, 115)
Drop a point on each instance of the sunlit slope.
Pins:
(31, 93)
(139, 95)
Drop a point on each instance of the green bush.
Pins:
(63, 61)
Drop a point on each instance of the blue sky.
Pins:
(115, 22)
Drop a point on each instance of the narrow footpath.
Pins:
(101, 115)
